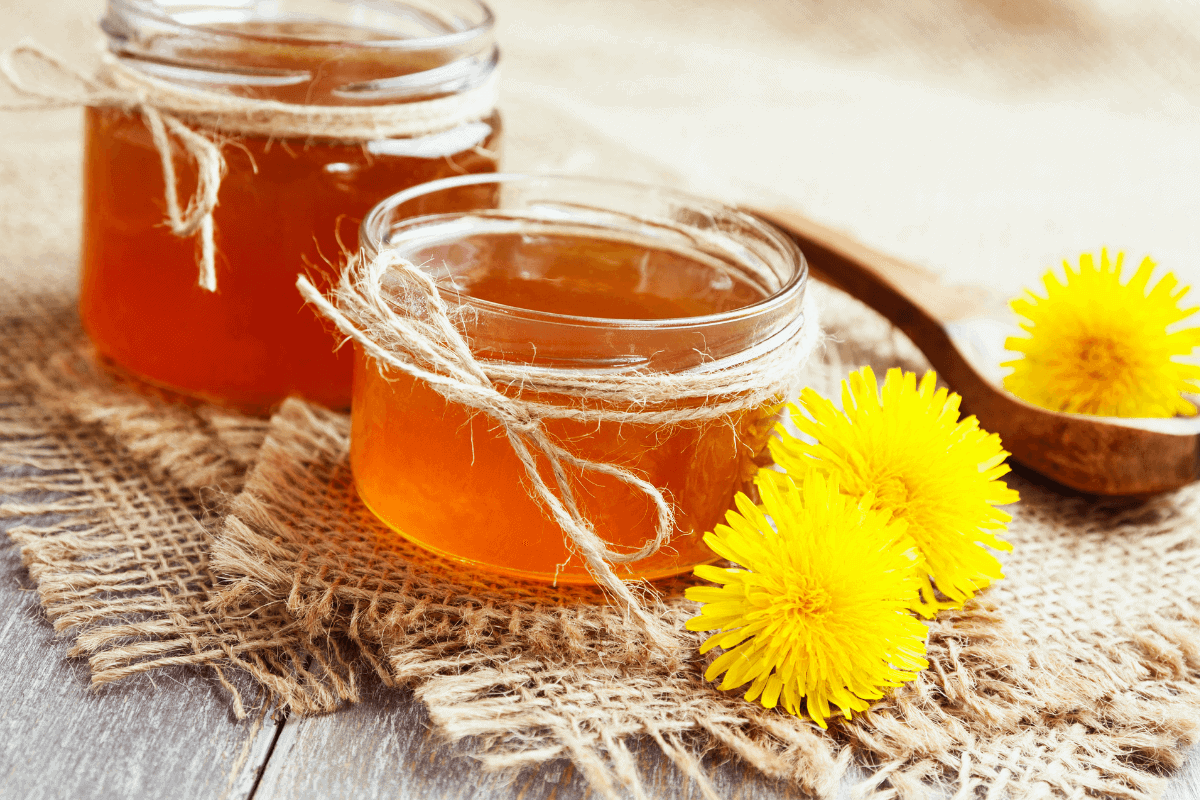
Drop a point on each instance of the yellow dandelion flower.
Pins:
(1097, 346)
(818, 610)
(906, 449)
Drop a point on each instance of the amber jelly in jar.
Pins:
(583, 276)
(284, 205)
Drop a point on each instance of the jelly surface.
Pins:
(284, 207)
(449, 480)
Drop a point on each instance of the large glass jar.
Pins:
(585, 277)
(285, 206)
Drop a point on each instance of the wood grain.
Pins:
(1185, 784)
(382, 748)
(1082, 452)
(167, 735)
(170, 735)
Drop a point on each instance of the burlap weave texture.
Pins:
(1027, 687)
(1056, 681)
(173, 537)
(116, 489)
(985, 139)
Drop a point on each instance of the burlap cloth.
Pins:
(162, 533)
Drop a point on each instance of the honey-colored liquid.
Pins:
(449, 479)
(283, 204)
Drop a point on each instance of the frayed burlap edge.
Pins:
(113, 489)
(1086, 684)
(204, 448)
(1048, 685)
(529, 674)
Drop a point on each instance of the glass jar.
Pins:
(586, 277)
(284, 205)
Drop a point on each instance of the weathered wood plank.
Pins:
(1185, 784)
(382, 748)
(169, 734)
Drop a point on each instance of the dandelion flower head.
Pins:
(1096, 345)
(905, 448)
(817, 609)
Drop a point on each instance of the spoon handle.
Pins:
(911, 298)
(884, 282)
(1086, 453)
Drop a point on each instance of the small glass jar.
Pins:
(587, 277)
(284, 205)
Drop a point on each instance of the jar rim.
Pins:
(376, 227)
(157, 12)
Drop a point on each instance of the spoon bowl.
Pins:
(1098, 455)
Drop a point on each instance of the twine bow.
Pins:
(423, 342)
(174, 113)
(71, 89)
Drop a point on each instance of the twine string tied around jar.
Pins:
(419, 338)
(200, 120)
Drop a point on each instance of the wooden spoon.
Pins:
(1099, 455)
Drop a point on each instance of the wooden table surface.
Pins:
(983, 138)
(170, 734)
